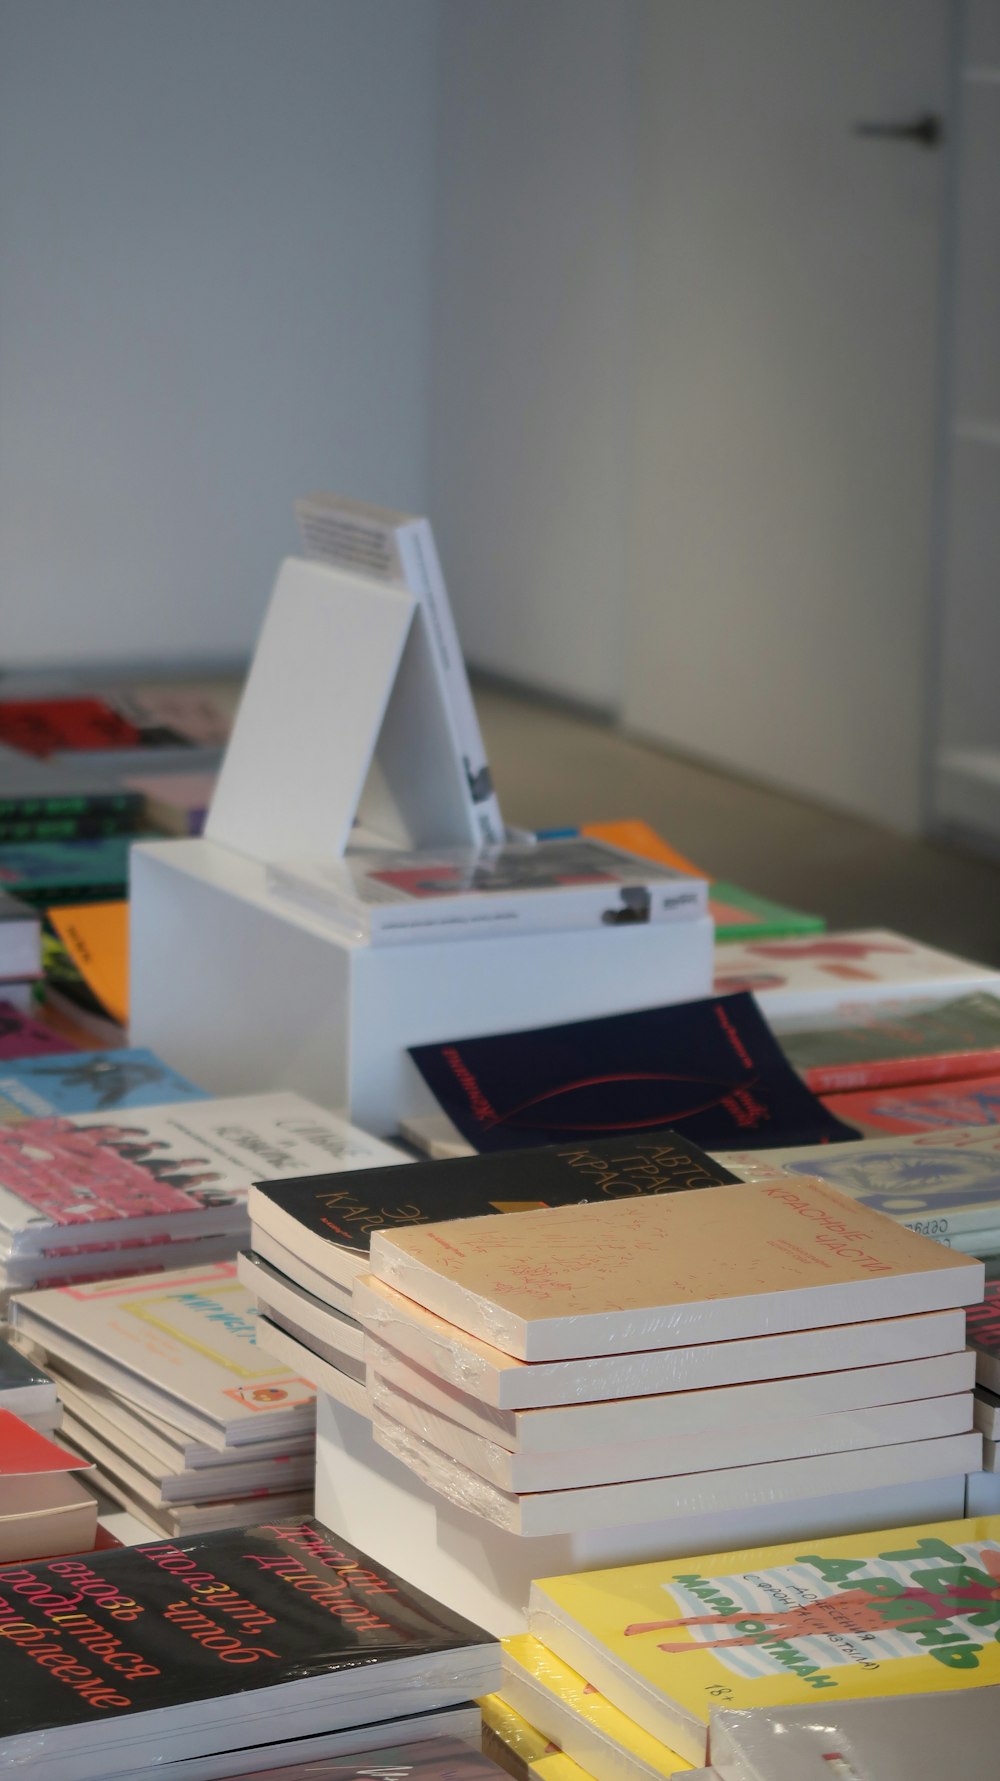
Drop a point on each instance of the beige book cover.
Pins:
(720, 1264)
(499, 1380)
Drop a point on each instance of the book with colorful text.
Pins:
(671, 1270)
(328, 1221)
(960, 1038)
(869, 1614)
(921, 1106)
(89, 1181)
(945, 1184)
(89, 1082)
(832, 977)
(234, 1638)
(711, 1070)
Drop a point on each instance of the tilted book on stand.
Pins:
(711, 1070)
(395, 898)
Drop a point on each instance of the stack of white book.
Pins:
(95, 1195)
(189, 1424)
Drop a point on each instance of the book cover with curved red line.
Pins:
(711, 1070)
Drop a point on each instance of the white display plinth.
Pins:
(241, 990)
(476, 1569)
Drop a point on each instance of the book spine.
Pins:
(425, 580)
(832, 1079)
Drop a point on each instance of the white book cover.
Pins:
(719, 1264)
(398, 550)
(570, 1428)
(944, 1184)
(189, 1343)
(179, 1170)
(832, 976)
(397, 898)
(668, 1456)
(505, 1383)
(692, 1493)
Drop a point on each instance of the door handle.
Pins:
(927, 131)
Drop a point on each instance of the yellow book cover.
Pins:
(531, 1752)
(906, 1611)
(572, 1712)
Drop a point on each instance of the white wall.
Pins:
(214, 295)
(529, 415)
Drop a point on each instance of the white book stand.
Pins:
(242, 991)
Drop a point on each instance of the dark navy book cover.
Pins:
(711, 1070)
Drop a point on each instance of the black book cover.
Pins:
(345, 1208)
(17, 1373)
(112, 1635)
(712, 1070)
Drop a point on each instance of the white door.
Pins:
(787, 279)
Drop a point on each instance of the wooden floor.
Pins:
(554, 768)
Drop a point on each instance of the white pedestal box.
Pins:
(374, 1501)
(242, 991)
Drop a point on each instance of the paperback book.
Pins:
(834, 976)
(525, 1753)
(23, 1037)
(46, 872)
(89, 1082)
(395, 898)
(917, 1737)
(711, 1070)
(882, 1050)
(45, 1508)
(240, 1637)
(922, 1106)
(721, 1264)
(327, 1222)
(868, 1615)
(26, 1390)
(983, 1329)
(578, 1719)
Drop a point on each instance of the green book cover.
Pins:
(90, 869)
(740, 915)
(967, 1023)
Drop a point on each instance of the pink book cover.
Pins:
(20, 1036)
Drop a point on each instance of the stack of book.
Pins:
(310, 1239)
(827, 1623)
(28, 1391)
(581, 1363)
(91, 1195)
(189, 1425)
(45, 1508)
(228, 1654)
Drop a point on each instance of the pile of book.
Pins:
(189, 1425)
(238, 1652)
(648, 1669)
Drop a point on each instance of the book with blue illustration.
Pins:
(89, 1082)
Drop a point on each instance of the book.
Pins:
(645, 1456)
(638, 1503)
(723, 1263)
(182, 1345)
(505, 1383)
(327, 1222)
(955, 1038)
(162, 1490)
(398, 549)
(574, 1427)
(333, 1334)
(821, 1621)
(711, 1070)
(90, 1082)
(832, 976)
(50, 872)
(985, 1409)
(922, 1106)
(45, 1509)
(176, 803)
(578, 1719)
(179, 1171)
(22, 1037)
(917, 1737)
(255, 1634)
(526, 1754)
(945, 1184)
(437, 1759)
(46, 727)
(20, 940)
(390, 897)
(331, 1380)
(52, 803)
(25, 1389)
(304, 1759)
(95, 936)
(983, 1330)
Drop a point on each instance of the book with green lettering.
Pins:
(911, 1610)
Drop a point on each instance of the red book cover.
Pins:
(24, 1452)
(49, 726)
(921, 1106)
(900, 1072)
